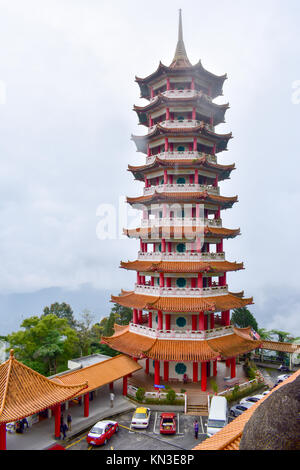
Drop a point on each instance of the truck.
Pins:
(218, 415)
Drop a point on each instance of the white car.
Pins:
(252, 399)
(266, 392)
(141, 418)
(283, 377)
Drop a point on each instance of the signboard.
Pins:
(159, 386)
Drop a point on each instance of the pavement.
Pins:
(40, 436)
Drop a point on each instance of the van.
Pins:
(218, 415)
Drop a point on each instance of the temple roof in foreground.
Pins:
(140, 346)
(230, 436)
(24, 392)
(181, 266)
(218, 303)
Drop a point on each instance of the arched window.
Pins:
(181, 282)
(180, 181)
(180, 248)
(180, 368)
(181, 148)
(181, 322)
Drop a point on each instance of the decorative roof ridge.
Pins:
(8, 373)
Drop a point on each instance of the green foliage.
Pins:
(140, 394)
(214, 385)
(171, 396)
(242, 318)
(156, 401)
(62, 310)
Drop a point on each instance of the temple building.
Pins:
(181, 301)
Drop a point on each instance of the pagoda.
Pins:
(181, 301)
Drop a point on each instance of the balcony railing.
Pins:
(181, 222)
(182, 188)
(180, 291)
(187, 256)
(185, 155)
(188, 335)
(175, 123)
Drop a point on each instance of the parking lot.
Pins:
(150, 438)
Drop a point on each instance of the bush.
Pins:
(140, 394)
(171, 396)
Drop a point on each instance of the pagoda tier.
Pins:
(181, 300)
(148, 343)
(193, 163)
(181, 104)
(170, 137)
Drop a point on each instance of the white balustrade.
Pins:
(180, 291)
(187, 256)
(181, 222)
(185, 155)
(175, 123)
(183, 335)
(182, 188)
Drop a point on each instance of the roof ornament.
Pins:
(180, 57)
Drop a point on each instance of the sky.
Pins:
(67, 88)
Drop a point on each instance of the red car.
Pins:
(168, 423)
(102, 432)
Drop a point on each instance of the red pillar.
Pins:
(194, 322)
(200, 280)
(147, 367)
(125, 385)
(57, 413)
(150, 319)
(168, 321)
(159, 320)
(166, 371)
(111, 386)
(201, 321)
(156, 373)
(212, 321)
(195, 372)
(2, 436)
(140, 317)
(215, 371)
(86, 405)
(195, 144)
(161, 280)
(233, 368)
(203, 376)
(135, 316)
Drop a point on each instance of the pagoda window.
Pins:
(181, 248)
(180, 181)
(180, 118)
(180, 148)
(180, 368)
(181, 282)
(181, 322)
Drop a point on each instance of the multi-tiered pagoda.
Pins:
(181, 302)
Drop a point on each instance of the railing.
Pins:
(187, 256)
(181, 222)
(185, 155)
(184, 335)
(174, 123)
(173, 188)
(180, 292)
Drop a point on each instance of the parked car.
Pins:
(266, 392)
(237, 410)
(141, 418)
(253, 399)
(218, 415)
(283, 377)
(101, 432)
(167, 423)
(284, 368)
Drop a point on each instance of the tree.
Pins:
(243, 318)
(62, 310)
(45, 344)
(283, 337)
(264, 334)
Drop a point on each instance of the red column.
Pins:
(167, 114)
(193, 84)
(201, 321)
(150, 319)
(233, 368)
(163, 245)
(140, 317)
(159, 320)
(194, 322)
(205, 322)
(194, 114)
(125, 385)
(196, 176)
(135, 316)
(168, 321)
(2, 436)
(212, 321)
(57, 413)
(195, 144)
(200, 281)
(203, 376)
(156, 373)
(215, 372)
(195, 372)
(147, 367)
(86, 405)
(169, 247)
(169, 282)
(166, 144)
(111, 386)
(168, 84)
(166, 371)
(161, 280)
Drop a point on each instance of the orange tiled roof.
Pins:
(24, 392)
(181, 266)
(183, 197)
(229, 437)
(290, 348)
(102, 373)
(175, 350)
(181, 232)
(181, 304)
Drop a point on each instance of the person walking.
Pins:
(25, 423)
(63, 429)
(69, 422)
(196, 428)
(112, 397)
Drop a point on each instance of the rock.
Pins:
(275, 424)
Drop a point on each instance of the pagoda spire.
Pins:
(180, 58)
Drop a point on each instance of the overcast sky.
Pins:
(67, 89)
